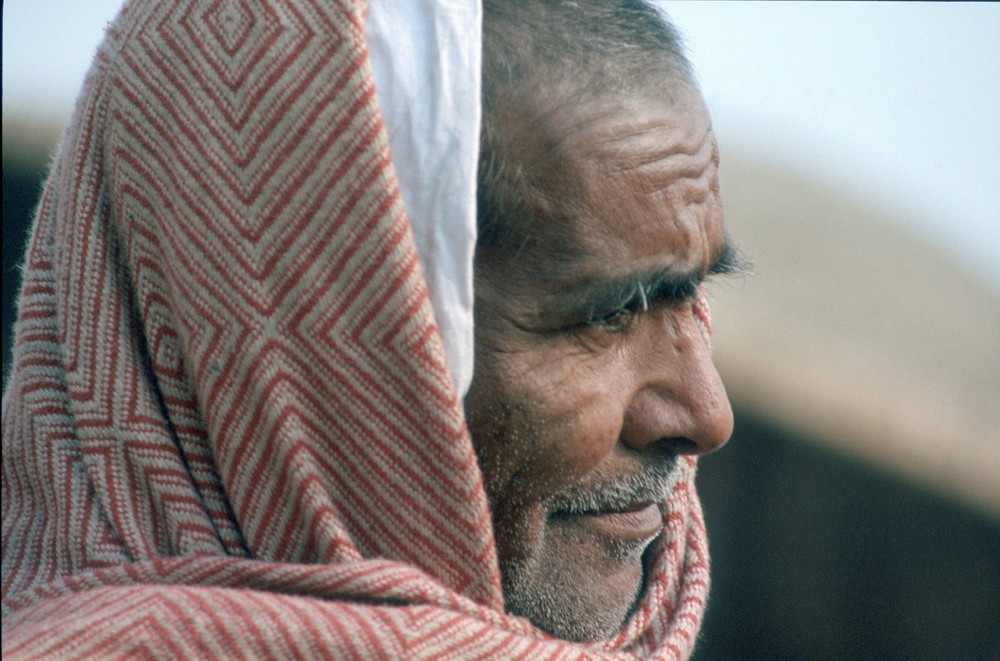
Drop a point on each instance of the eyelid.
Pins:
(643, 297)
(643, 302)
(617, 319)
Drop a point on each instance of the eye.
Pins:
(614, 321)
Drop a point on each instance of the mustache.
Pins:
(619, 493)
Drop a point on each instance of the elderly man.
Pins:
(230, 428)
(599, 218)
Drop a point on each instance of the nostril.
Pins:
(680, 445)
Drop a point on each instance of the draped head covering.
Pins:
(231, 429)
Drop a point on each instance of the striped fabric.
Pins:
(230, 429)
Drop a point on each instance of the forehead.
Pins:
(631, 184)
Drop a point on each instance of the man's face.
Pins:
(593, 371)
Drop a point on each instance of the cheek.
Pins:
(538, 427)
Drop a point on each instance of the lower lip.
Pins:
(637, 524)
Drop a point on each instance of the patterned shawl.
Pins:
(230, 428)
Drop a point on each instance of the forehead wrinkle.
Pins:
(691, 164)
(683, 158)
(617, 133)
(657, 164)
(612, 120)
(695, 145)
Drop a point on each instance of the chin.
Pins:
(574, 588)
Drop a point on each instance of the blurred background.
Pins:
(856, 512)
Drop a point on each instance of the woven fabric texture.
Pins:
(230, 430)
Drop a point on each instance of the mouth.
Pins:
(624, 510)
(633, 523)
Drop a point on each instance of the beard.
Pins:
(574, 587)
(566, 601)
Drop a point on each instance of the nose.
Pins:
(678, 396)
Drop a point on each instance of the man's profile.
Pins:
(599, 219)
(231, 429)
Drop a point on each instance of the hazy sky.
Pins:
(899, 101)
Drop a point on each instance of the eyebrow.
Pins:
(599, 296)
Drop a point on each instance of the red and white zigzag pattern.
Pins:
(230, 430)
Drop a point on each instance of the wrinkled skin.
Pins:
(582, 402)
